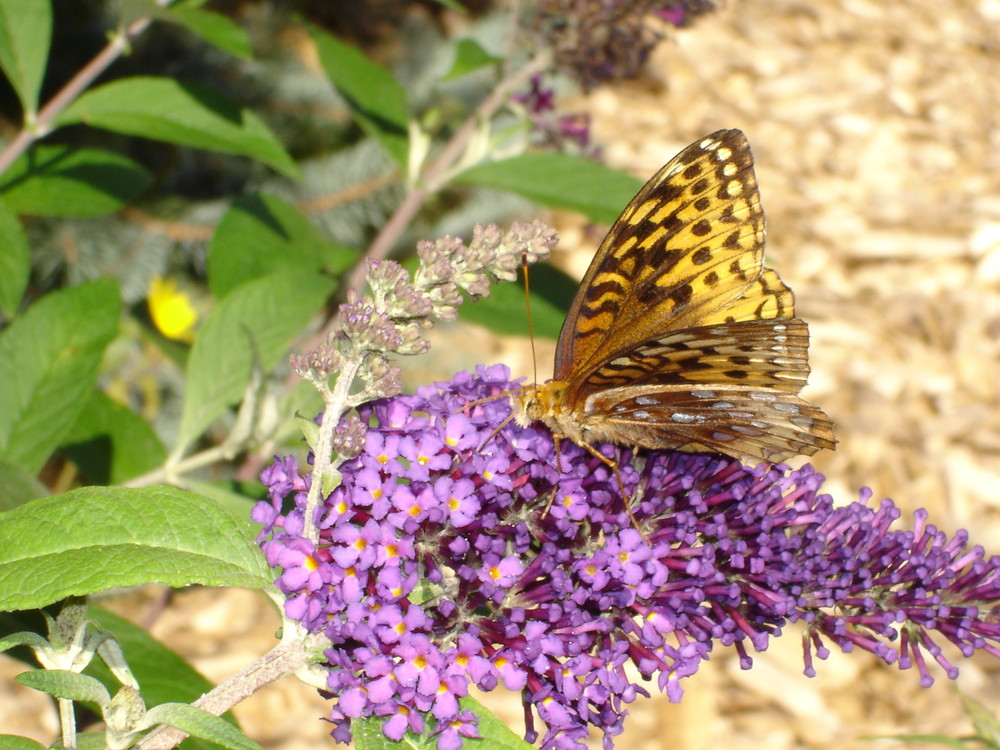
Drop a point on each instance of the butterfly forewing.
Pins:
(679, 337)
(689, 243)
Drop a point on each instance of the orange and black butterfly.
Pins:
(679, 337)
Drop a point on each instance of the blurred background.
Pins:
(874, 124)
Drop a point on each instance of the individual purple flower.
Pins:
(461, 550)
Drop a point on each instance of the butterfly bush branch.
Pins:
(438, 171)
(392, 320)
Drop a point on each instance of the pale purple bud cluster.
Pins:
(461, 549)
(449, 267)
(349, 436)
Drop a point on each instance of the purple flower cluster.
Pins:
(460, 548)
(597, 41)
(562, 132)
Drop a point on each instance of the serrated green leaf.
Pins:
(177, 112)
(110, 443)
(49, 360)
(469, 56)
(96, 538)
(376, 98)
(265, 315)
(25, 34)
(65, 181)
(201, 724)
(62, 683)
(165, 677)
(15, 262)
(504, 311)
(559, 181)
(214, 28)
(260, 234)
(18, 486)
(14, 742)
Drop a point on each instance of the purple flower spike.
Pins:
(453, 556)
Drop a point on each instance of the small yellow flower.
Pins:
(171, 310)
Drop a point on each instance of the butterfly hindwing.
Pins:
(732, 419)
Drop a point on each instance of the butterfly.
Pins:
(679, 337)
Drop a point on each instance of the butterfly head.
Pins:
(537, 403)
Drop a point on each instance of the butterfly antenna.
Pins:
(531, 328)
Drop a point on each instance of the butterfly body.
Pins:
(679, 337)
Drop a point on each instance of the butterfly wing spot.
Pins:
(692, 171)
(647, 401)
(701, 228)
(684, 418)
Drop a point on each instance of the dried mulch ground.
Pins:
(874, 126)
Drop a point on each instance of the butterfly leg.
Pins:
(626, 498)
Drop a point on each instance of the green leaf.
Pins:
(504, 310)
(23, 638)
(96, 538)
(49, 360)
(165, 676)
(110, 443)
(214, 28)
(199, 723)
(14, 742)
(260, 234)
(559, 181)
(86, 741)
(495, 733)
(18, 486)
(376, 98)
(469, 56)
(15, 262)
(25, 34)
(453, 4)
(237, 504)
(262, 315)
(65, 181)
(984, 720)
(61, 683)
(184, 113)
